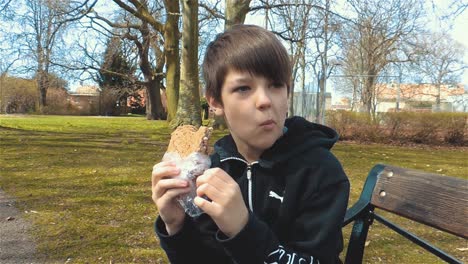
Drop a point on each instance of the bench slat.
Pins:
(432, 199)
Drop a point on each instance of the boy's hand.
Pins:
(227, 207)
(165, 190)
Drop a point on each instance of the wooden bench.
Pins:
(434, 200)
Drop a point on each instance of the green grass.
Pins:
(87, 181)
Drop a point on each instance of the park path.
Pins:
(16, 245)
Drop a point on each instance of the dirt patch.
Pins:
(16, 245)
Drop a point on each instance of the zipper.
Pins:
(249, 179)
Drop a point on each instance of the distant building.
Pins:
(459, 102)
(420, 97)
(417, 92)
(140, 99)
(84, 96)
(342, 104)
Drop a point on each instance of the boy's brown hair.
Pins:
(245, 48)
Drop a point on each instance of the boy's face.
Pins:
(255, 110)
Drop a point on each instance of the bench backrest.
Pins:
(435, 200)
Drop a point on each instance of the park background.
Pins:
(90, 91)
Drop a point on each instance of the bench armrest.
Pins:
(355, 211)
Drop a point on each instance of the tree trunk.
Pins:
(369, 93)
(41, 75)
(42, 86)
(236, 10)
(188, 108)
(355, 91)
(291, 98)
(324, 68)
(154, 109)
(171, 47)
(294, 57)
(438, 98)
(304, 111)
(319, 118)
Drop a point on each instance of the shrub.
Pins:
(354, 125)
(396, 124)
(456, 129)
(56, 103)
(336, 120)
(402, 127)
(425, 127)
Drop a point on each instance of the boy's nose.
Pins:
(263, 98)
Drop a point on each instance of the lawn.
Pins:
(84, 182)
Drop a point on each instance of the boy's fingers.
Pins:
(211, 179)
(211, 208)
(164, 164)
(160, 167)
(215, 177)
(159, 172)
(171, 194)
(166, 184)
(210, 191)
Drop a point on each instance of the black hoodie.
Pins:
(297, 200)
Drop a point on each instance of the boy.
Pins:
(275, 193)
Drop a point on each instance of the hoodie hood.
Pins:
(301, 133)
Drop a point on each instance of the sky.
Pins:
(457, 28)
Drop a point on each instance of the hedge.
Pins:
(401, 127)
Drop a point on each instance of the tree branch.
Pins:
(268, 6)
(5, 5)
(214, 12)
(142, 13)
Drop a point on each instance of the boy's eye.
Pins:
(242, 89)
(277, 85)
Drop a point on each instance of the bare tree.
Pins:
(382, 27)
(351, 67)
(168, 35)
(439, 59)
(326, 27)
(5, 66)
(156, 44)
(292, 25)
(43, 23)
(456, 8)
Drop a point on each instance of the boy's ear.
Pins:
(216, 106)
(213, 102)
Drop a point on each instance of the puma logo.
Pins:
(276, 196)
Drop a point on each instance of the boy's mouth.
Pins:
(268, 123)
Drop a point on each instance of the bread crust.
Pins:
(188, 139)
